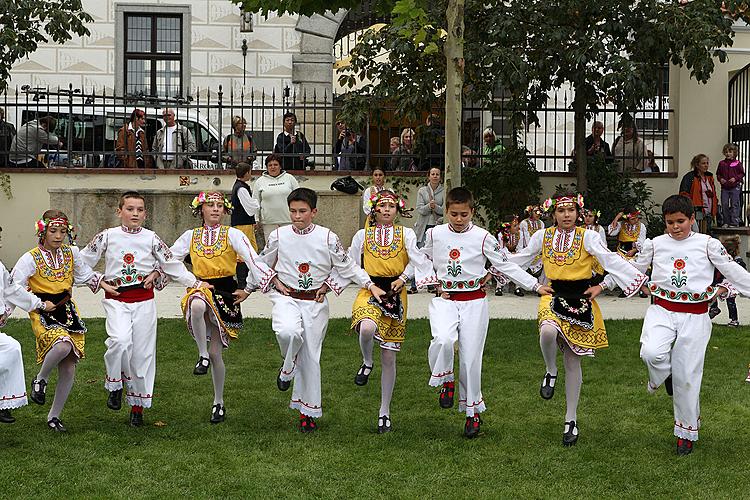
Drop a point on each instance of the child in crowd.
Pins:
(459, 251)
(131, 256)
(389, 255)
(49, 271)
(732, 246)
(731, 175)
(677, 328)
(530, 225)
(213, 315)
(631, 234)
(591, 221)
(304, 254)
(244, 210)
(509, 237)
(570, 319)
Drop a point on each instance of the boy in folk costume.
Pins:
(131, 256)
(49, 271)
(677, 328)
(569, 319)
(213, 315)
(459, 251)
(528, 227)
(389, 255)
(304, 254)
(12, 382)
(509, 238)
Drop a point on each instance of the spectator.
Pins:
(731, 175)
(431, 144)
(651, 166)
(698, 185)
(404, 158)
(271, 190)
(378, 184)
(291, 146)
(132, 142)
(430, 204)
(350, 149)
(7, 133)
(173, 143)
(468, 158)
(629, 150)
(595, 145)
(239, 146)
(391, 163)
(31, 138)
(244, 209)
(492, 148)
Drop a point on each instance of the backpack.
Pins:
(347, 185)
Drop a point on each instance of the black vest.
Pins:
(239, 216)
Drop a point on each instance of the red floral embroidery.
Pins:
(303, 268)
(128, 258)
(679, 264)
(454, 254)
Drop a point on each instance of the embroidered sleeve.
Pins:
(92, 252)
(734, 274)
(335, 280)
(82, 272)
(614, 228)
(420, 266)
(168, 266)
(347, 268)
(526, 255)
(181, 247)
(23, 270)
(624, 274)
(270, 252)
(641, 238)
(15, 295)
(500, 264)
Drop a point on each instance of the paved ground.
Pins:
(507, 306)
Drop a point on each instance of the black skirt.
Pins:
(229, 312)
(570, 304)
(391, 305)
(64, 316)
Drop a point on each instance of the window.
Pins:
(154, 54)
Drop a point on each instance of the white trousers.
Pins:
(465, 322)
(12, 384)
(300, 327)
(674, 342)
(131, 349)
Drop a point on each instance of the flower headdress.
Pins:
(550, 203)
(532, 208)
(384, 196)
(591, 211)
(204, 197)
(634, 213)
(43, 224)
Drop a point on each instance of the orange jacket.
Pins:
(690, 186)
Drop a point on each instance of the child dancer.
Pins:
(731, 175)
(570, 319)
(630, 235)
(304, 254)
(245, 208)
(12, 384)
(591, 221)
(389, 255)
(213, 316)
(49, 271)
(459, 251)
(509, 238)
(527, 228)
(131, 255)
(732, 246)
(676, 328)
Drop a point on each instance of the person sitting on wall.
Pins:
(291, 145)
(31, 138)
(174, 143)
(350, 149)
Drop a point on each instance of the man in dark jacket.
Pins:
(291, 145)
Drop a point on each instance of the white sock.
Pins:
(573, 382)
(548, 343)
(387, 380)
(66, 374)
(218, 370)
(54, 356)
(199, 325)
(367, 329)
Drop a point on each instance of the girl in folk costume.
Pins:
(570, 319)
(214, 316)
(631, 234)
(509, 238)
(388, 253)
(528, 227)
(49, 271)
(591, 221)
(12, 384)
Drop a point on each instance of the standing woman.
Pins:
(569, 319)
(132, 144)
(378, 184)
(430, 203)
(239, 146)
(50, 270)
(698, 185)
(214, 316)
(271, 190)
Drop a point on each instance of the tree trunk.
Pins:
(454, 58)
(579, 120)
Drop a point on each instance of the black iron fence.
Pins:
(72, 128)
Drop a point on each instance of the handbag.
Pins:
(347, 185)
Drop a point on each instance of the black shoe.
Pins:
(547, 390)
(114, 401)
(307, 424)
(283, 385)
(56, 425)
(519, 292)
(684, 446)
(384, 424)
(6, 417)
(446, 395)
(218, 414)
(201, 367)
(361, 377)
(668, 385)
(621, 295)
(136, 419)
(38, 391)
(570, 436)
(498, 292)
(472, 426)
(411, 291)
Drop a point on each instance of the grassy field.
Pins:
(626, 448)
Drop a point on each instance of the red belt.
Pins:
(471, 295)
(132, 295)
(682, 307)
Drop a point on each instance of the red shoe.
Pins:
(471, 429)
(446, 395)
(307, 424)
(684, 446)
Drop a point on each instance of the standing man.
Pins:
(7, 133)
(291, 145)
(173, 144)
(32, 136)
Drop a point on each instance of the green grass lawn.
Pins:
(626, 447)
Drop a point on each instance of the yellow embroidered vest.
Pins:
(573, 264)
(629, 233)
(212, 261)
(50, 280)
(381, 256)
